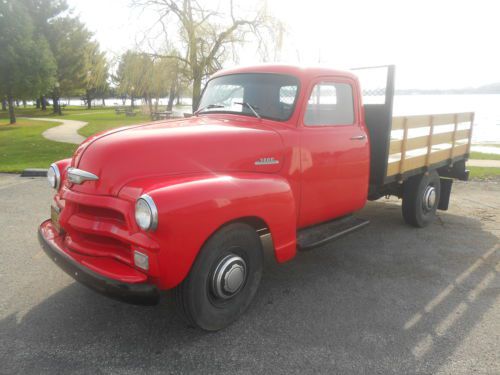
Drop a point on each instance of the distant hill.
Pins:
(492, 88)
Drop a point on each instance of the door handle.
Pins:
(358, 137)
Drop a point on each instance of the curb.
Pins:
(34, 172)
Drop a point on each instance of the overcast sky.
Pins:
(434, 43)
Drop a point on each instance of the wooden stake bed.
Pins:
(422, 141)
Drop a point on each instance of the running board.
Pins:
(318, 235)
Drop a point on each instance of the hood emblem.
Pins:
(77, 176)
(267, 161)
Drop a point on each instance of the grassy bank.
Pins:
(22, 146)
(484, 173)
(484, 156)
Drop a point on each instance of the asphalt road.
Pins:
(387, 300)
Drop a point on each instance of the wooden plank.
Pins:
(463, 134)
(421, 121)
(437, 139)
(460, 150)
(413, 163)
(395, 146)
(429, 144)
(393, 168)
(465, 117)
(470, 133)
(454, 138)
(397, 123)
(444, 119)
(438, 156)
(414, 122)
(403, 145)
(417, 142)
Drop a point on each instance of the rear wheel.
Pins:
(223, 279)
(420, 199)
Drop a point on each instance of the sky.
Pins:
(434, 43)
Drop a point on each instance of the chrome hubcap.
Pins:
(229, 276)
(429, 198)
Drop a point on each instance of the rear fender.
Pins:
(191, 210)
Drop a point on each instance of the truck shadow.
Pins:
(389, 299)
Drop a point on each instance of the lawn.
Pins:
(483, 156)
(22, 145)
(484, 173)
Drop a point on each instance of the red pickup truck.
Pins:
(276, 158)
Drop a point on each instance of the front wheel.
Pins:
(223, 280)
(421, 196)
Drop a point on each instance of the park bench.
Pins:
(162, 115)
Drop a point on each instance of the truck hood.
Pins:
(187, 146)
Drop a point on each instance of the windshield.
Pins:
(264, 95)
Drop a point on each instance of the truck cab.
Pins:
(276, 158)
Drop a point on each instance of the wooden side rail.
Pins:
(408, 151)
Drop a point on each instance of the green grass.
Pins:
(483, 173)
(483, 156)
(22, 146)
(104, 120)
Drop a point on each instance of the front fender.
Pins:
(191, 209)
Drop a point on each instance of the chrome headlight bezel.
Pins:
(54, 176)
(146, 213)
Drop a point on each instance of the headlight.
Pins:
(146, 214)
(54, 176)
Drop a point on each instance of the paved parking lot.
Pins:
(387, 300)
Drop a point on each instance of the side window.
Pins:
(330, 104)
(287, 94)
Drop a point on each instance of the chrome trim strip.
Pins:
(58, 175)
(154, 211)
(77, 176)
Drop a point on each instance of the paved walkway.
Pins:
(67, 132)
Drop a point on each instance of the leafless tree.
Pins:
(207, 37)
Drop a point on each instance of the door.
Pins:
(334, 152)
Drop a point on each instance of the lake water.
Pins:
(486, 108)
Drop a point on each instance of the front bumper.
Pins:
(134, 293)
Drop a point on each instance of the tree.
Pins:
(26, 64)
(208, 35)
(69, 40)
(42, 12)
(96, 78)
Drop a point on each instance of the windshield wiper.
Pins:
(249, 106)
(209, 106)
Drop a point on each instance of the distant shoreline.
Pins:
(437, 92)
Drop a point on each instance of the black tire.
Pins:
(196, 297)
(416, 211)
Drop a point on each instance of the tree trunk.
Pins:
(12, 115)
(157, 101)
(24, 103)
(103, 102)
(56, 105)
(17, 102)
(171, 98)
(37, 101)
(132, 102)
(4, 104)
(89, 100)
(43, 102)
(196, 92)
(149, 101)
